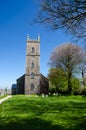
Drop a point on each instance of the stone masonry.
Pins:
(32, 74)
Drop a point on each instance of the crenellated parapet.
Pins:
(28, 39)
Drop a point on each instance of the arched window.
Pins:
(32, 75)
(32, 87)
(32, 65)
(33, 49)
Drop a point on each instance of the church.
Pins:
(32, 82)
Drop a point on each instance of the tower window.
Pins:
(33, 49)
(32, 65)
(32, 87)
(32, 75)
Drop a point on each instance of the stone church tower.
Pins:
(32, 82)
(32, 74)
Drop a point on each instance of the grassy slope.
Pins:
(52, 113)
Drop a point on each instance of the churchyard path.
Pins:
(2, 100)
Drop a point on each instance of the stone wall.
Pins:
(20, 85)
(44, 84)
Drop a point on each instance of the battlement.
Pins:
(28, 39)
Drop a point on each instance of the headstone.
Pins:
(43, 95)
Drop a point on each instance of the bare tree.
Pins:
(67, 14)
(67, 57)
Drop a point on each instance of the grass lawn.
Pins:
(36, 113)
(3, 96)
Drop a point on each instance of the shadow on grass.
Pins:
(39, 124)
(30, 124)
(80, 123)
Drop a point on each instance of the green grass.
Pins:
(37, 113)
(1, 97)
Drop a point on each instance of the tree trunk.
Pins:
(69, 82)
(83, 78)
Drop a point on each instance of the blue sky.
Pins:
(16, 18)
